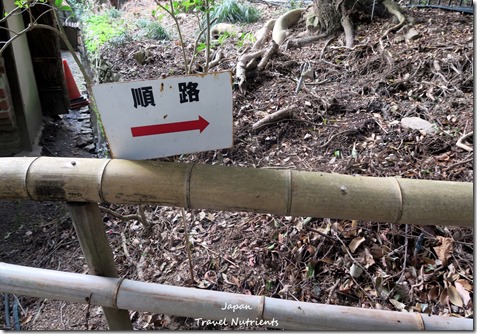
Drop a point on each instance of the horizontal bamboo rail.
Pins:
(209, 305)
(283, 192)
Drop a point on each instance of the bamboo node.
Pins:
(261, 307)
(26, 177)
(101, 196)
(116, 292)
(399, 215)
(420, 322)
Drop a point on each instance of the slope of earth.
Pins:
(347, 120)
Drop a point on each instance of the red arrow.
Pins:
(157, 129)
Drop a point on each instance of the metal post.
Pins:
(99, 257)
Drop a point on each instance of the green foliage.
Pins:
(233, 11)
(152, 30)
(294, 4)
(188, 6)
(124, 37)
(245, 38)
(114, 13)
(100, 29)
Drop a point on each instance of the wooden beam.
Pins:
(99, 257)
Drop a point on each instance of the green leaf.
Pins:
(66, 8)
(201, 47)
(58, 3)
(310, 272)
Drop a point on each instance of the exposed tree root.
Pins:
(283, 23)
(263, 34)
(276, 116)
(267, 55)
(393, 8)
(241, 71)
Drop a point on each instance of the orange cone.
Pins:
(73, 90)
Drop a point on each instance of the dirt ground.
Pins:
(347, 120)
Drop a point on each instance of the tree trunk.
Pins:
(343, 15)
(329, 17)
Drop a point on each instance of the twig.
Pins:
(210, 250)
(195, 48)
(462, 145)
(63, 304)
(404, 265)
(171, 13)
(125, 248)
(332, 289)
(37, 315)
(88, 299)
(187, 244)
(355, 261)
(143, 216)
(311, 229)
(120, 216)
(333, 137)
(458, 164)
(140, 264)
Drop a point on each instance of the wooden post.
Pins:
(99, 257)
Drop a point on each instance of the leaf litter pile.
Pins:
(345, 120)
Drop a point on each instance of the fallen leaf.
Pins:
(355, 271)
(463, 293)
(465, 284)
(327, 260)
(354, 244)
(444, 251)
(433, 294)
(354, 227)
(454, 296)
(444, 298)
(398, 305)
(369, 258)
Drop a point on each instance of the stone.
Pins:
(417, 123)
(90, 147)
(412, 34)
(86, 130)
(84, 140)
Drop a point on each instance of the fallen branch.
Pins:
(462, 145)
(276, 116)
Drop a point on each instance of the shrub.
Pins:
(233, 11)
(100, 29)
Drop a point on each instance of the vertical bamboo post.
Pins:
(99, 257)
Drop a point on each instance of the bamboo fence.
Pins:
(203, 305)
(283, 192)
(84, 182)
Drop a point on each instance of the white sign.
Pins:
(164, 117)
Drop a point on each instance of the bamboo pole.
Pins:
(203, 305)
(283, 192)
(94, 243)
